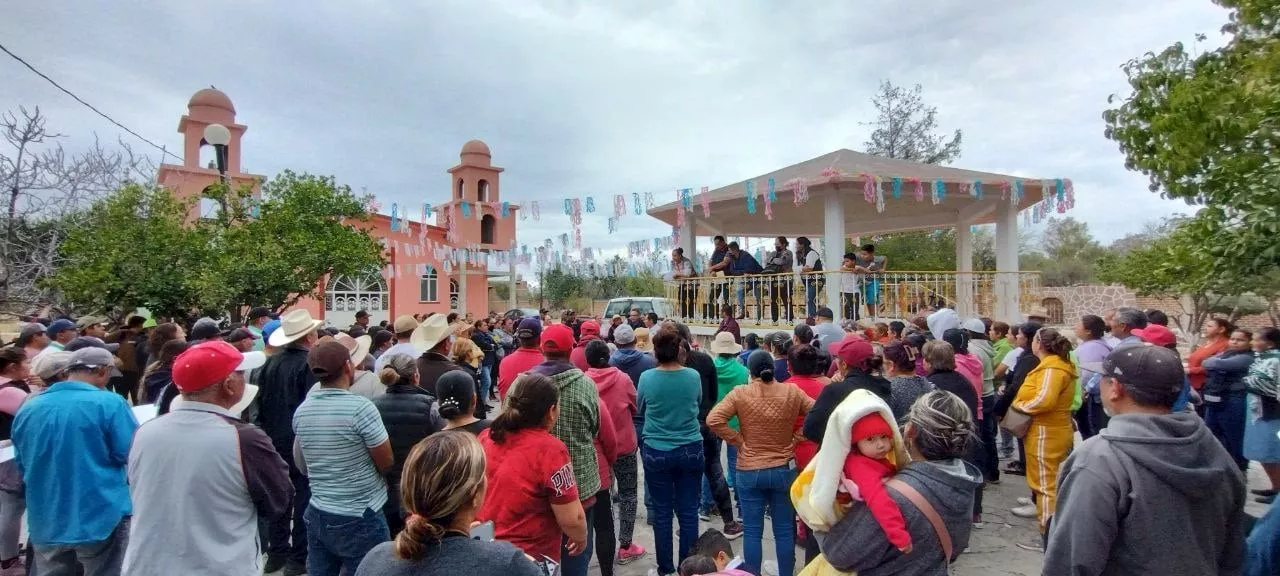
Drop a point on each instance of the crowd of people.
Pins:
(515, 445)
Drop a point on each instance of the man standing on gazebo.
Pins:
(682, 272)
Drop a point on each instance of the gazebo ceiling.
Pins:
(843, 172)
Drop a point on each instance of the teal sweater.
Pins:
(668, 401)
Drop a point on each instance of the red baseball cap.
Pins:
(207, 363)
(589, 328)
(1156, 334)
(557, 337)
(853, 350)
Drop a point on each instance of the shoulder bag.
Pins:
(1016, 422)
(923, 505)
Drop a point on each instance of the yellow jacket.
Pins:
(1048, 392)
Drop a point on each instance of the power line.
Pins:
(162, 149)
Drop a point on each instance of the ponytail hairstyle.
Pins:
(1055, 343)
(943, 425)
(398, 369)
(529, 400)
(760, 365)
(442, 476)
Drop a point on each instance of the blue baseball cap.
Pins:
(58, 326)
(268, 328)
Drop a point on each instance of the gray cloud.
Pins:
(579, 98)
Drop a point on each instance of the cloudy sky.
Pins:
(597, 98)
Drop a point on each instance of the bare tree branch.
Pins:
(46, 189)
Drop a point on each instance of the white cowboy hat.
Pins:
(358, 347)
(293, 326)
(430, 332)
(724, 344)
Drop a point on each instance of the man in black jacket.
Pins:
(432, 338)
(713, 472)
(284, 381)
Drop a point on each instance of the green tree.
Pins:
(1175, 266)
(134, 249)
(907, 128)
(559, 285)
(1071, 253)
(276, 251)
(1205, 129)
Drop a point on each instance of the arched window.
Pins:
(209, 208)
(458, 194)
(1053, 310)
(488, 227)
(482, 190)
(427, 286)
(453, 295)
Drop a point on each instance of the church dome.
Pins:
(214, 98)
(475, 147)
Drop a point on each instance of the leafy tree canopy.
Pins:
(907, 128)
(1206, 128)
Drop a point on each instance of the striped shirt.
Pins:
(336, 429)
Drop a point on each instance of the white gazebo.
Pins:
(847, 193)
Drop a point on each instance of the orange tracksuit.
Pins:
(1047, 395)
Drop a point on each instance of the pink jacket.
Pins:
(618, 395)
(970, 367)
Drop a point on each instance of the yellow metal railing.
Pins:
(784, 299)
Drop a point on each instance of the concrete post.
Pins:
(1008, 306)
(833, 238)
(965, 304)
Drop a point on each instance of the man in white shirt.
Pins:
(682, 272)
(403, 328)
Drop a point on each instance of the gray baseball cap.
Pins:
(91, 358)
(1142, 364)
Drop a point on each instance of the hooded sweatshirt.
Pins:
(633, 362)
(1150, 494)
(970, 366)
(986, 353)
(579, 422)
(618, 395)
(729, 375)
(858, 543)
(941, 321)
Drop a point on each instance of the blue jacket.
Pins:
(72, 445)
(744, 263)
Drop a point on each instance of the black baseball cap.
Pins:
(1142, 364)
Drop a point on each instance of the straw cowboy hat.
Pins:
(724, 344)
(293, 326)
(357, 347)
(430, 333)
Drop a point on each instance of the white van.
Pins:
(623, 306)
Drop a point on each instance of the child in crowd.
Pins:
(712, 555)
(865, 469)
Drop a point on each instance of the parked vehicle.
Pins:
(622, 306)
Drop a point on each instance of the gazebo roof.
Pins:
(844, 172)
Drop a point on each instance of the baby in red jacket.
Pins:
(865, 470)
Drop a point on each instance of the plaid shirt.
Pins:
(579, 422)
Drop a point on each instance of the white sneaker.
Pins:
(1027, 511)
(1024, 500)
(770, 568)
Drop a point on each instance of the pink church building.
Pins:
(416, 282)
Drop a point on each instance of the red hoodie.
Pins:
(618, 396)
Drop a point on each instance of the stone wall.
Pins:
(1077, 301)
(1072, 302)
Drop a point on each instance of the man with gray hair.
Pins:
(202, 451)
(72, 443)
(1125, 321)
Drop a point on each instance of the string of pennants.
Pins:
(1059, 197)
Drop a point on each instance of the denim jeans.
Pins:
(772, 487)
(713, 477)
(810, 297)
(1226, 419)
(486, 382)
(672, 478)
(577, 565)
(105, 558)
(287, 534)
(336, 542)
(742, 297)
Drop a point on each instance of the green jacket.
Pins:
(729, 375)
(579, 422)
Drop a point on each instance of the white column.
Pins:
(511, 276)
(965, 305)
(833, 238)
(1007, 307)
(687, 239)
